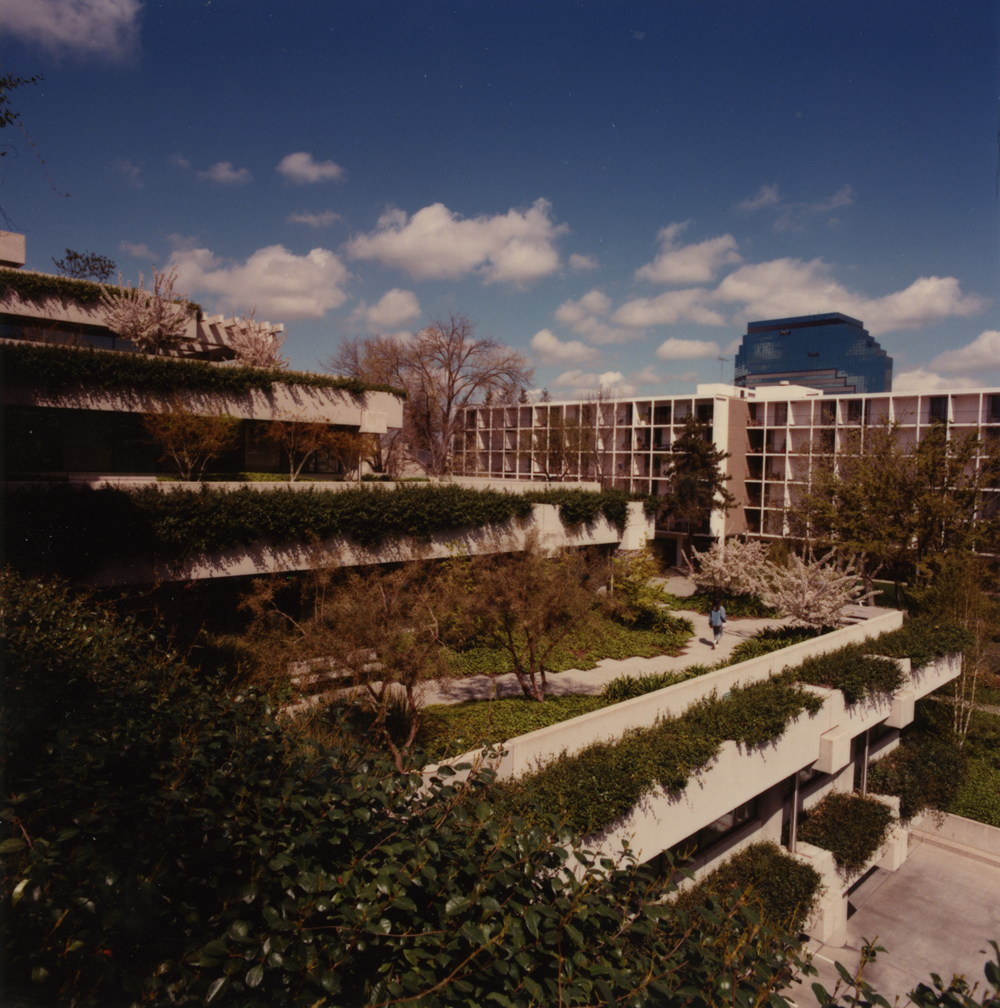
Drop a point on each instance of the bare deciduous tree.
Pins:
(190, 440)
(85, 266)
(444, 369)
(153, 320)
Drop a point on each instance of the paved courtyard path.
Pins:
(697, 650)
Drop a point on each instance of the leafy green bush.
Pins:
(925, 771)
(854, 672)
(628, 687)
(783, 887)
(979, 796)
(768, 640)
(736, 606)
(188, 851)
(851, 827)
(453, 729)
(55, 368)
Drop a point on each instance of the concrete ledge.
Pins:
(957, 832)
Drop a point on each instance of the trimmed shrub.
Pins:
(577, 507)
(736, 606)
(780, 885)
(852, 828)
(922, 640)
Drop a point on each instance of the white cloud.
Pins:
(587, 381)
(300, 167)
(686, 264)
(316, 220)
(786, 287)
(393, 309)
(922, 380)
(686, 349)
(280, 284)
(583, 262)
(647, 376)
(551, 350)
(767, 195)
(587, 315)
(108, 28)
(516, 247)
(179, 161)
(225, 173)
(688, 305)
(141, 251)
(982, 354)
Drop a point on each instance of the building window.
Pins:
(994, 409)
(939, 409)
(828, 413)
(661, 415)
(854, 411)
(705, 412)
(780, 414)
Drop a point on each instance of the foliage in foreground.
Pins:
(167, 843)
(850, 826)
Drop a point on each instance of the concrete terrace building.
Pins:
(774, 434)
(832, 352)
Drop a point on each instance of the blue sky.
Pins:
(615, 188)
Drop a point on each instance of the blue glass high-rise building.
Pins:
(831, 352)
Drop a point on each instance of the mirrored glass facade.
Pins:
(832, 352)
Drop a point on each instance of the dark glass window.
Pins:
(939, 408)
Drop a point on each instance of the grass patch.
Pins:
(452, 729)
(590, 643)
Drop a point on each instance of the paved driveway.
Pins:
(934, 915)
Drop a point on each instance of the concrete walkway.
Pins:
(698, 650)
(935, 914)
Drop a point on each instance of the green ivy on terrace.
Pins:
(577, 507)
(37, 287)
(55, 368)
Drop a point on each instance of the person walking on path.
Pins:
(716, 619)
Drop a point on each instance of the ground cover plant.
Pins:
(736, 606)
(850, 826)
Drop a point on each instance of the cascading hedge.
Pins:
(922, 640)
(926, 771)
(853, 671)
(54, 368)
(31, 286)
(603, 782)
(783, 887)
(850, 826)
(577, 507)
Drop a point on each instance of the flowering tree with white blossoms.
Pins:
(811, 592)
(257, 344)
(152, 320)
(732, 567)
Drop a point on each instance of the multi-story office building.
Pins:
(830, 352)
(773, 435)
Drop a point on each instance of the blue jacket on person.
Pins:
(716, 617)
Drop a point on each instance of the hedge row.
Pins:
(579, 506)
(55, 368)
(605, 781)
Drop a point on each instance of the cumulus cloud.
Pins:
(922, 380)
(393, 309)
(103, 28)
(583, 262)
(517, 247)
(689, 305)
(686, 264)
(784, 287)
(587, 317)
(686, 349)
(301, 168)
(279, 283)
(982, 354)
(179, 161)
(587, 381)
(225, 173)
(140, 251)
(551, 350)
(315, 220)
